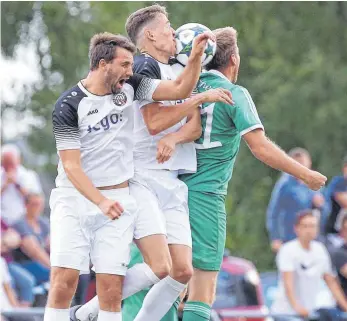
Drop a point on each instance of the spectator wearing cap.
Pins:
(302, 264)
(16, 182)
(34, 231)
(290, 196)
(336, 193)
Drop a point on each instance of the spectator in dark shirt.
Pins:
(34, 230)
(336, 192)
(289, 197)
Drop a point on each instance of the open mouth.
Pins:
(121, 82)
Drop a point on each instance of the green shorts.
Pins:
(208, 224)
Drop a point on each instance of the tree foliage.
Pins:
(293, 62)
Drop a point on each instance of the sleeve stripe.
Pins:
(250, 102)
(249, 129)
(146, 89)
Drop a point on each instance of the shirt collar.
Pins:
(217, 73)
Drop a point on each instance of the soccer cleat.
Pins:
(73, 313)
(74, 318)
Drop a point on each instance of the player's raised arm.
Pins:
(157, 117)
(184, 85)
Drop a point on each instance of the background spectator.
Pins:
(339, 256)
(16, 182)
(290, 196)
(34, 230)
(22, 280)
(302, 264)
(336, 193)
(7, 294)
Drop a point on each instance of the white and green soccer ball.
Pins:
(184, 41)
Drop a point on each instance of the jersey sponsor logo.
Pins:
(120, 99)
(106, 123)
(307, 266)
(94, 111)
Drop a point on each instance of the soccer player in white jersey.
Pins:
(92, 211)
(156, 183)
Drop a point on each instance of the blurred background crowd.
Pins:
(294, 63)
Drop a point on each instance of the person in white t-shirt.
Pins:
(16, 182)
(302, 264)
(7, 295)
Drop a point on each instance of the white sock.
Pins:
(52, 314)
(160, 299)
(109, 316)
(138, 277)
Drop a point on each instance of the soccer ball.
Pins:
(184, 41)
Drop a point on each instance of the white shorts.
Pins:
(81, 233)
(162, 201)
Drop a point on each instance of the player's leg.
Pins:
(110, 254)
(69, 253)
(163, 294)
(150, 236)
(208, 225)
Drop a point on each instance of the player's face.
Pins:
(307, 229)
(164, 35)
(119, 70)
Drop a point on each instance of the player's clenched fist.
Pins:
(111, 208)
(199, 43)
(165, 148)
(315, 180)
(218, 95)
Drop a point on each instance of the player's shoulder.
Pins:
(147, 66)
(318, 247)
(71, 98)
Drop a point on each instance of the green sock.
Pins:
(196, 311)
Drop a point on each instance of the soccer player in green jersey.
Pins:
(223, 126)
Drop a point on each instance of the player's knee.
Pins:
(183, 273)
(161, 269)
(62, 291)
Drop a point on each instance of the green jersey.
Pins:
(222, 128)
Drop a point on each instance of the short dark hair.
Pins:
(104, 46)
(302, 214)
(299, 152)
(226, 39)
(31, 195)
(140, 18)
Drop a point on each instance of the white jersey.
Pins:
(309, 267)
(184, 156)
(101, 127)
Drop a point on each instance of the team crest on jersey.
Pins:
(120, 99)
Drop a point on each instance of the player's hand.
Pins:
(302, 311)
(199, 44)
(315, 180)
(111, 208)
(217, 95)
(165, 148)
(276, 245)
